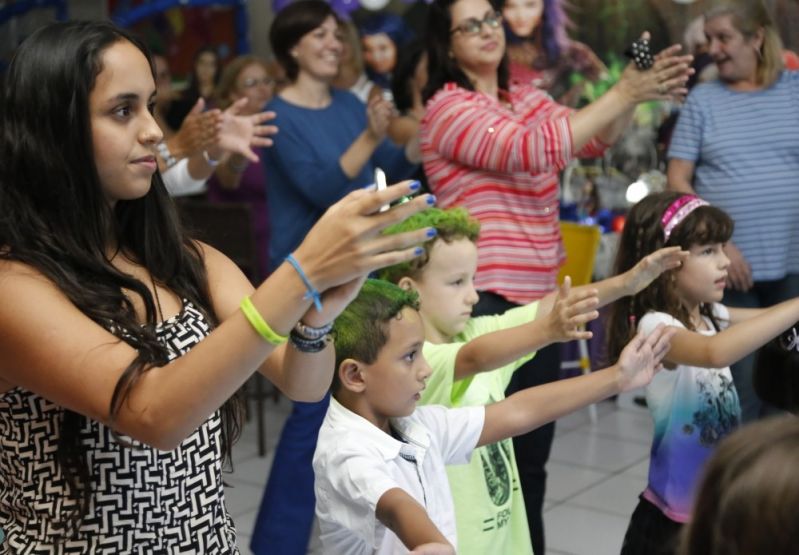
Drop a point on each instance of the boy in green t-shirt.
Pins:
(473, 360)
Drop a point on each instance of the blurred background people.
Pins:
(541, 52)
(236, 178)
(329, 144)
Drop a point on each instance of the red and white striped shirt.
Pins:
(501, 163)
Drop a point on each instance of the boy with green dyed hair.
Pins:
(381, 484)
(473, 360)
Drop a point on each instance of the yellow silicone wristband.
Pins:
(259, 324)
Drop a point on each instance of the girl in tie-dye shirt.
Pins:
(693, 401)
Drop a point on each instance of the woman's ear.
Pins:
(407, 283)
(759, 38)
(351, 376)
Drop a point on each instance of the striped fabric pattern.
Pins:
(500, 160)
(745, 146)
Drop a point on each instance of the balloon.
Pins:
(344, 7)
(278, 5)
(374, 5)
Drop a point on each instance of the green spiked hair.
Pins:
(361, 331)
(451, 224)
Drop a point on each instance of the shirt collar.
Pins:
(407, 427)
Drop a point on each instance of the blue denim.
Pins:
(285, 519)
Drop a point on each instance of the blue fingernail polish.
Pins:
(415, 185)
(431, 199)
(418, 251)
(432, 232)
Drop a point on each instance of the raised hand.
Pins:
(571, 311)
(240, 133)
(650, 267)
(665, 80)
(346, 243)
(641, 358)
(379, 113)
(198, 132)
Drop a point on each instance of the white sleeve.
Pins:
(179, 181)
(651, 320)
(348, 487)
(455, 430)
(722, 314)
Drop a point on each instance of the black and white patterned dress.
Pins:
(145, 500)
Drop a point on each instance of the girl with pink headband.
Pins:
(693, 401)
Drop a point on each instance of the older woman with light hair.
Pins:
(735, 145)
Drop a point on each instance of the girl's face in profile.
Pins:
(523, 16)
(124, 132)
(703, 275)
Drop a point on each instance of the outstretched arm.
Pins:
(404, 516)
(168, 403)
(737, 341)
(630, 282)
(568, 312)
(533, 407)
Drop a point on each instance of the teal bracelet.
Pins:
(259, 324)
(312, 291)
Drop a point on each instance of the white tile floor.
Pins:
(596, 472)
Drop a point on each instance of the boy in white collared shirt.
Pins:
(381, 486)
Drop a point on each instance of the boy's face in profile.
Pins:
(392, 384)
(446, 288)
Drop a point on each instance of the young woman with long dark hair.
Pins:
(123, 341)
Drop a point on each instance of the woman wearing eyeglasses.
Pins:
(496, 149)
(237, 179)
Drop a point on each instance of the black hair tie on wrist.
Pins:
(640, 53)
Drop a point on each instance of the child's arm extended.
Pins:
(561, 315)
(632, 281)
(404, 516)
(533, 407)
(732, 344)
(566, 315)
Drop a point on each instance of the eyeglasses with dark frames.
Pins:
(473, 26)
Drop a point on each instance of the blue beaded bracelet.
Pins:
(312, 292)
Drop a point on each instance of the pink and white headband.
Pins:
(678, 211)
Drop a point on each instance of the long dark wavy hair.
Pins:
(54, 217)
(551, 30)
(441, 67)
(643, 235)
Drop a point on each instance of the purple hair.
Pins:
(554, 22)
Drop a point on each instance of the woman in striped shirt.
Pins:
(496, 150)
(736, 146)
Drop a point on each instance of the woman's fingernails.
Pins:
(371, 187)
(414, 185)
(432, 232)
(418, 251)
(431, 199)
